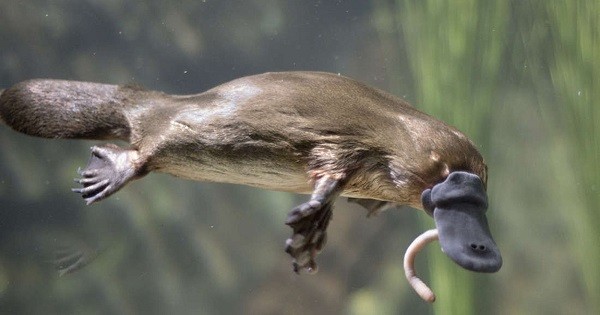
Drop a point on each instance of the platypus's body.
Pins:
(278, 131)
(304, 132)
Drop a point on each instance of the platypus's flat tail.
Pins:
(66, 109)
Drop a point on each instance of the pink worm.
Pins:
(409, 264)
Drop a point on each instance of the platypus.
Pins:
(312, 133)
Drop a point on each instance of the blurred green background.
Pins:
(521, 78)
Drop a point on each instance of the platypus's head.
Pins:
(458, 206)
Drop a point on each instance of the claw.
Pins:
(294, 242)
(94, 189)
(85, 181)
(312, 267)
(89, 173)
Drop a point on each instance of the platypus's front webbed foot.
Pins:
(108, 169)
(309, 222)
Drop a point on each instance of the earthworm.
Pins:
(409, 261)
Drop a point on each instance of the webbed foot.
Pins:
(309, 222)
(108, 169)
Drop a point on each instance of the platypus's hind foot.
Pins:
(108, 169)
(309, 222)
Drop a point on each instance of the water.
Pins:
(519, 77)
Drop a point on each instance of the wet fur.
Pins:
(277, 131)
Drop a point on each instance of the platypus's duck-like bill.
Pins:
(458, 206)
(305, 132)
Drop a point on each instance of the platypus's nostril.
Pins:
(478, 248)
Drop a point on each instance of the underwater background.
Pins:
(521, 78)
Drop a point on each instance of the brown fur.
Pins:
(277, 131)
